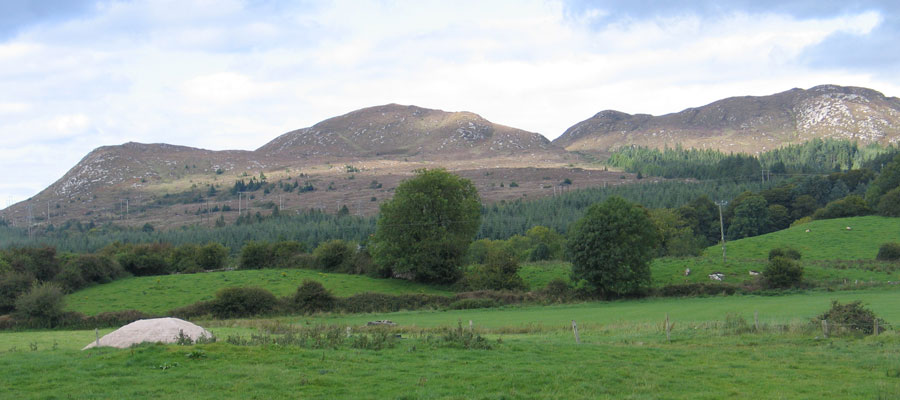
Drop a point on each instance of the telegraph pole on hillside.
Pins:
(721, 203)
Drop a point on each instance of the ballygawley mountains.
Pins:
(355, 160)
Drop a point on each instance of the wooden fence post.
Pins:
(876, 327)
(97, 334)
(825, 327)
(470, 325)
(575, 329)
(756, 320)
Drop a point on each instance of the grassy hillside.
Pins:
(158, 294)
(826, 240)
(831, 253)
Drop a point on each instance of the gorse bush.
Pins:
(13, 284)
(243, 302)
(312, 297)
(786, 252)
(380, 302)
(889, 252)
(334, 256)
(782, 273)
(43, 304)
(850, 317)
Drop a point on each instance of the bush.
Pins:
(786, 252)
(500, 272)
(469, 304)
(850, 317)
(284, 254)
(889, 204)
(40, 262)
(145, 259)
(198, 309)
(43, 304)
(13, 284)
(889, 252)
(782, 273)
(697, 289)
(850, 206)
(379, 302)
(557, 291)
(334, 255)
(97, 268)
(70, 279)
(255, 255)
(312, 297)
(243, 302)
(211, 256)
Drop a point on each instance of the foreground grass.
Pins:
(624, 363)
(158, 294)
(623, 354)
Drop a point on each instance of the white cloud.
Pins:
(226, 75)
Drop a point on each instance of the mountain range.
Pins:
(355, 160)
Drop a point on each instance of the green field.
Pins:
(832, 255)
(623, 354)
(159, 294)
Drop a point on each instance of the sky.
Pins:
(234, 74)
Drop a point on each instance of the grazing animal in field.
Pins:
(848, 228)
(753, 273)
(687, 271)
(807, 231)
(717, 276)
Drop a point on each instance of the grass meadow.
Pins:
(159, 294)
(623, 353)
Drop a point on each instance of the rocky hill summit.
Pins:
(398, 131)
(748, 124)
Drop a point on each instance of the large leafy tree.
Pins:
(424, 231)
(611, 247)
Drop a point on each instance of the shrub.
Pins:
(70, 279)
(786, 252)
(312, 297)
(498, 273)
(334, 255)
(782, 273)
(243, 302)
(469, 304)
(145, 259)
(540, 252)
(198, 309)
(284, 254)
(97, 268)
(852, 317)
(850, 206)
(557, 291)
(889, 204)
(211, 256)
(697, 289)
(379, 302)
(889, 252)
(43, 304)
(40, 262)
(13, 284)
(255, 255)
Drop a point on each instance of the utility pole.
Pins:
(721, 203)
